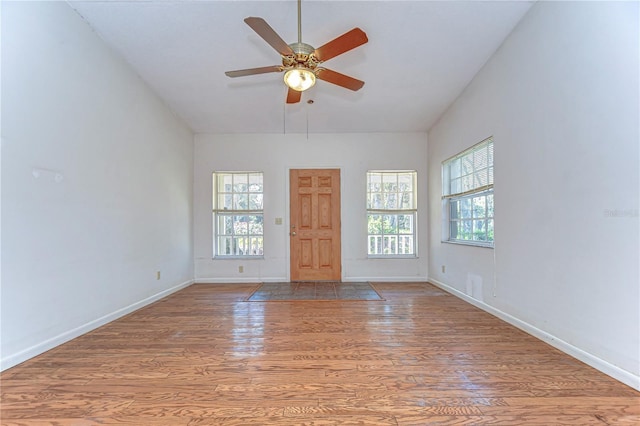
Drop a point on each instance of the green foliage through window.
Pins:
(471, 218)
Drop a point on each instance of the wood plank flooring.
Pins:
(205, 356)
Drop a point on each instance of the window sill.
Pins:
(391, 256)
(261, 257)
(468, 243)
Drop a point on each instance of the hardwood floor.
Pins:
(204, 356)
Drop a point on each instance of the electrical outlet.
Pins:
(241, 269)
(443, 269)
(158, 275)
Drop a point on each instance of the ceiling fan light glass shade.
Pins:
(299, 79)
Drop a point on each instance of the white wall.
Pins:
(82, 251)
(274, 155)
(560, 98)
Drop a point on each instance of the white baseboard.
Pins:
(17, 358)
(386, 279)
(607, 368)
(235, 280)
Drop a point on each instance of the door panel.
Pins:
(315, 224)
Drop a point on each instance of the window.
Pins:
(238, 214)
(467, 196)
(391, 213)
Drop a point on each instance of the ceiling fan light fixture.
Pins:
(300, 79)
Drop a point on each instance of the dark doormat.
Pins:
(308, 290)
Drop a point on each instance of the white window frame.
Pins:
(231, 203)
(399, 244)
(467, 178)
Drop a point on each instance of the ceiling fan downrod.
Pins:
(302, 51)
(299, 21)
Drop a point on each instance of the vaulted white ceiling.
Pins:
(420, 56)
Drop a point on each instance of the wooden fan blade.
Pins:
(293, 96)
(347, 41)
(252, 71)
(263, 29)
(339, 79)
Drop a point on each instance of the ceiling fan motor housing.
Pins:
(303, 55)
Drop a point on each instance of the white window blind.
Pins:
(468, 172)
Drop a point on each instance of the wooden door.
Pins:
(315, 224)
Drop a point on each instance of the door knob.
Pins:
(293, 234)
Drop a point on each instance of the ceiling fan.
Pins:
(300, 61)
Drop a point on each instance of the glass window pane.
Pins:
(405, 244)
(255, 225)
(456, 186)
(240, 201)
(465, 208)
(238, 246)
(375, 182)
(374, 224)
(490, 153)
(389, 182)
(453, 230)
(225, 225)
(240, 182)
(240, 225)
(255, 246)
(481, 178)
(455, 168)
(375, 244)
(407, 200)
(225, 245)
(377, 201)
(389, 243)
(490, 205)
(391, 201)
(405, 224)
(454, 209)
(479, 231)
(224, 182)
(490, 230)
(479, 207)
(405, 182)
(480, 158)
(466, 164)
(225, 201)
(467, 183)
(465, 229)
(255, 201)
(255, 182)
(390, 224)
